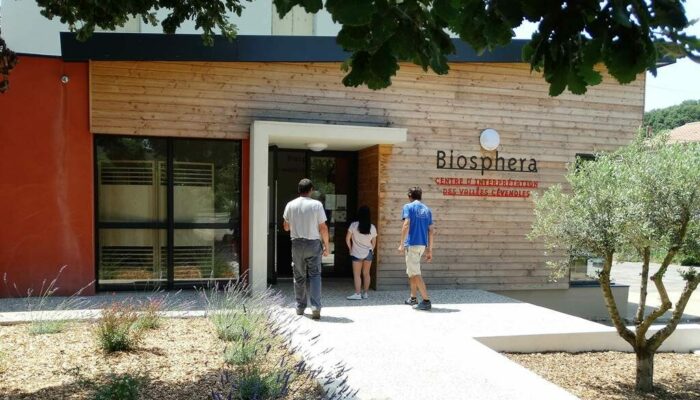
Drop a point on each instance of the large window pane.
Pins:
(132, 255)
(134, 209)
(206, 181)
(202, 254)
(129, 179)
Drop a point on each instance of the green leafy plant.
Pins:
(117, 328)
(120, 387)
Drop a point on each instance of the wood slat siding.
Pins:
(480, 242)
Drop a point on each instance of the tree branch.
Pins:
(622, 330)
(655, 341)
(644, 284)
(659, 276)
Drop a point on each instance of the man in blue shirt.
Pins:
(417, 238)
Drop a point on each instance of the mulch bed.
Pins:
(611, 375)
(183, 359)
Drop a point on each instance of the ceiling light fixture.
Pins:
(317, 146)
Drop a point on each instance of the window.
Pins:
(157, 227)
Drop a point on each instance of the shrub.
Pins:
(242, 353)
(256, 385)
(149, 314)
(120, 387)
(234, 313)
(117, 328)
(234, 325)
(692, 260)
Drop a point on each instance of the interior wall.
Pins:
(46, 178)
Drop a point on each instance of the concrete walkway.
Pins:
(395, 352)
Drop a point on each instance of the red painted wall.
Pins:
(46, 181)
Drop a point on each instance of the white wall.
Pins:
(256, 19)
(27, 31)
(324, 25)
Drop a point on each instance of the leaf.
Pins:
(353, 37)
(355, 12)
(285, 6)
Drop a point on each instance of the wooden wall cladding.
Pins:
(481, 241)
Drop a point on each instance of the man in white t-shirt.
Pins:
(305, 220)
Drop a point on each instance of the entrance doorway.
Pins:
(335, 185)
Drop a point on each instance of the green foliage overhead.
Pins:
(672, 117)
(83, 16)
(572, 38)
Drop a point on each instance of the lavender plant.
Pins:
(47, 312)
(265, 363)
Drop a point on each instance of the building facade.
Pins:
(139, 159)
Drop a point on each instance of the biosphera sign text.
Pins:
(481, 163)
(483, 187)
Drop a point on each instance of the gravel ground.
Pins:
(611, 375)
(182, 360)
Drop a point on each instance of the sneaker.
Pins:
(411, 301)
(355, 296)
(423, 306)
(364, 295)
(316, 314)
(300, 311)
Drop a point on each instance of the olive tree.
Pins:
(644, 197)
(571, 40)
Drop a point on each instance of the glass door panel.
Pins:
(131, 209)
(206, 209)
(128, 172)
(132, 255)
(205, 254)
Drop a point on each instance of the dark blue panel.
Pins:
(161, 47)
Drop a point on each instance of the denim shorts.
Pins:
(369, 257)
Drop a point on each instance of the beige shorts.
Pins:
(413, 255)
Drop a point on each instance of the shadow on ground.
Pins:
(200, 387)
(686, 390)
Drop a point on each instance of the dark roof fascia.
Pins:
(182, 47)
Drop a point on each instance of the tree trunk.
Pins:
(645, 371)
